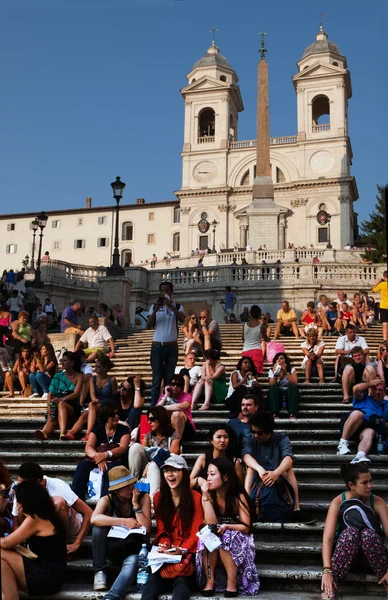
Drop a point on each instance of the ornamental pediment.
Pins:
(318, 68)
(205, 83)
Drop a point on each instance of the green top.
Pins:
(25, 331)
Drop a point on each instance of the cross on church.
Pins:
(262, 50)
(213, 31)
(321, 14)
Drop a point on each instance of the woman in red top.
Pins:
(179, 515)
(308, 319)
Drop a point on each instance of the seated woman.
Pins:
(21, 370)
(178, 404)
(63, 398)
(44, 369)
(242, 381)
(179, 515)
(124, 505)
(22, 333)
(102, 388)
(106, 448)
(6, 519)
(42, 528)
(145, 459)
(255, 338)
(361, 519)
(212, 382)
(131, 400)
(40, 332)
(190, 329)
(220, 440)
(312, 361)
(283, 380)
(226, 506)
(310, 320)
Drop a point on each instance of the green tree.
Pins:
(374, 230)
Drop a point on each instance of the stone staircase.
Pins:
(288, 556)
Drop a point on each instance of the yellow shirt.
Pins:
(286, 316)
(383, 289)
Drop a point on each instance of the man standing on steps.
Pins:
(382, 287)
(241, 425)
(229, 302)
(366, 420)
(164, 317)
(74, 513)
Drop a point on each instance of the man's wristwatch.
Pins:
(137, 389)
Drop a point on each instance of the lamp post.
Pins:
(214, 224)
(34, 226)
(41, 219)
(116, 270)
(328, 219)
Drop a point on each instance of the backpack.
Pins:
(272, 504)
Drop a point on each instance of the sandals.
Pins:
(39, 434)
(64, 437)
(328, 595)
(85, 438)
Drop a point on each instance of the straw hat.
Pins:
(120, 477)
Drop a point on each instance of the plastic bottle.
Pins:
(380, 445)
(142, 573)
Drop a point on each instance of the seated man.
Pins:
(210, 331)
(190, 371)
(74, 513)
(178, 404)
(286, 321)
(96, 339)
(241, 425)
(343, 348)
(342, 298)
(367, 419)
(269, 458)
(356, 372)
(69, 320)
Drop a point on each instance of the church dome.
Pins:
(212, 58)
(322, 45)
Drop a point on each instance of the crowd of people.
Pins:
(246, 474)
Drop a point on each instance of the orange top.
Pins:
(176, 537)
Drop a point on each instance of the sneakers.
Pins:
(99, 584)
(343, 448)
(360, 457)
(45, 396)
(34, 395)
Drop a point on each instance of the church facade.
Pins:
(311, 173)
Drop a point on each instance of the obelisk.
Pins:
(263, 213)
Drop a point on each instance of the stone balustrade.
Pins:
(287, 139)
(81, 275)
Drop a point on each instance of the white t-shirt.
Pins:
(49, 308)
(165, 324)
(345, 301)
(195, 373)
(344, 344)
(87, 369)
(96, 338)
(55, 487)
(306, 345)
(14, 304)
(283, 383)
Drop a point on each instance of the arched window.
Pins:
(321, 114)
(126, 258)
(280, 178)
(176, 242)
(245, 178)
(127, 233)
(206, 126)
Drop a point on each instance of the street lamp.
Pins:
(328, 219)
(41, 219)
(214, 224)
(116, 270)
(34, 226)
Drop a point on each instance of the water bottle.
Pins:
(142, 573)
(380, 445)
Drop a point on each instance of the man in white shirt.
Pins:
(345, 345)
(164, 317)
(14, 304)
(96, 339)
(190, 371)
(342, 298)
(73, 512)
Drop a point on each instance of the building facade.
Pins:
(311, 172)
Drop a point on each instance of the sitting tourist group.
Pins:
(134, 470)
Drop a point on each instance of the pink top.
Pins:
(184, 397)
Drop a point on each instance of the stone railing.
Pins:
(367, 274)
(63, 272)
(288, 139)
(206, 139)
(323, 127)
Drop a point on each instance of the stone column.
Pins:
(116, 290)
(282, 232)
(243, 235)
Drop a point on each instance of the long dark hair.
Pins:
(233, 491)
(232, 439)
(165, 510)
(37, 502)
(50, 354)
(75, 359)
(286, 360)
(164, 417)
(240, 362)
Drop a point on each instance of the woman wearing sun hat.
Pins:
(126, 506)
(179, 515)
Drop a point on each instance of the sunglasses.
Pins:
(259, 433)
(175, 384)
(124, 389)
(151, 419)
(115, 414)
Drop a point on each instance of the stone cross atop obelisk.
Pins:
(263, 186)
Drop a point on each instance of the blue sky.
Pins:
(90, 89)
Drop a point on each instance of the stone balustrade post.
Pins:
(116, 290)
